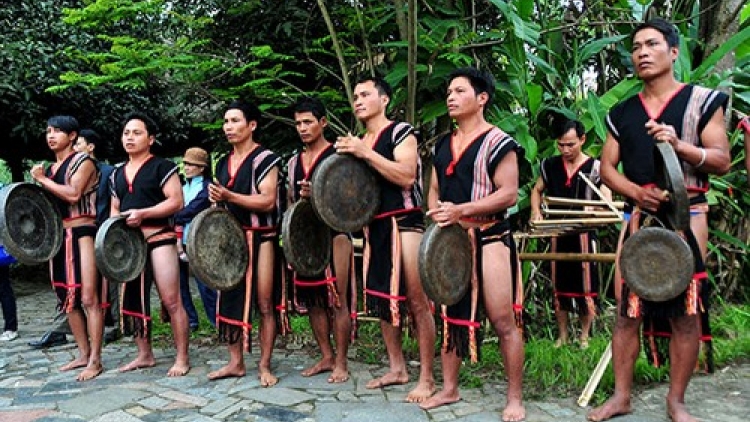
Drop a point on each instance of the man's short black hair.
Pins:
(311, 105)
(480, 80)
(563, 126)
(249, 110)
(662, 25)
(383, 87)
(67, 124)
(152, 129)
(91, 137)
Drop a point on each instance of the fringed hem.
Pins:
(381, 308)
(464, 341)
(136, 326)
(314, 297)
(229, 333)
(577, 305)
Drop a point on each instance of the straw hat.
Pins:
(196, 156)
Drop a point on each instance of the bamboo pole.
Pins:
(595, 377)
(555, 200)
(567, 256)
(600, 193)
(591, 213)
(576, 221)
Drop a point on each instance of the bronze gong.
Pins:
(217, 249)
(445, 263)
(120, 250)
(669, 177)
(306, 240)
(345, 193)
(657, 264)
(31, 225)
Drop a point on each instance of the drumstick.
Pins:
(601, 195)
(556, 200)
(596, 376)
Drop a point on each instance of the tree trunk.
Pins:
(411, 76)
(719, 21)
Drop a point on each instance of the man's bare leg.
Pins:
(397, 373)
(234, 368)
(586, 321)
(625, 348)
(562, 327)
(424, 321)
(145, 358)
(449, 393)
(683, 355)
(167, 277)
(267, 314)
(342, 322)
(77, 322)
(90, 290)
(498, 302)
(321, 332)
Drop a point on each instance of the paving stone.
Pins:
(117, 416)
(186, 398)
(317, 382)
(279, 414)
(138, 411)
(483, 417)
(242, 406)
(278, 396)
(153, 402)
(370, 412)
(100, 402)
(218, 405)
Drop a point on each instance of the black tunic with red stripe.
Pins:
(400, 210)
(576, 283)
(146, 189)
(236, 306)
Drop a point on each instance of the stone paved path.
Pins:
(32, 389)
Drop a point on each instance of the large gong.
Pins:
(345, 192)
(669, 177)
(217, 249)
(445, 263)
(657, 264)
(120, 250)
(306, 240)
(30, 223)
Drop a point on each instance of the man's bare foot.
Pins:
(178, 370)
(325, 365)
(615, 406)
(391, 378)
(80, 362)
(514, 412)
(560, 342)
(339, 375)
(267, 379)
(442, 398)
(678, 413)
(138, 363)
(423, 391)
(91, 371)
(229, 371)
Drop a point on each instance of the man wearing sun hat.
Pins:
(197, 170)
